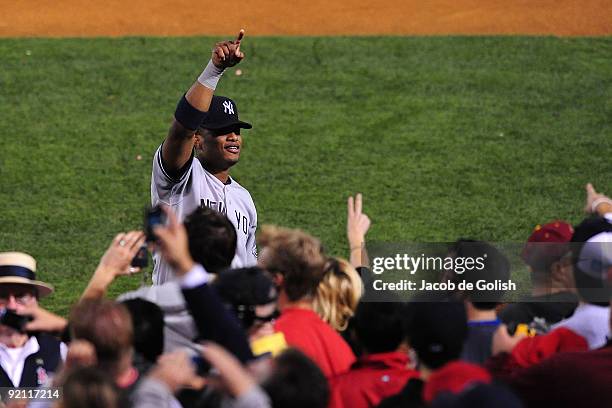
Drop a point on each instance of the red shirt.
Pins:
(533, 350)
(567, 380)
(304, 330)
(454, 377)
(371, 379)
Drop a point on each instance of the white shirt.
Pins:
(12, 359)
(589, 321)
(197, 187)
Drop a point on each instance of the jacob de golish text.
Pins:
(406, 285)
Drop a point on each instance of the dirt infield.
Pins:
(87, 18)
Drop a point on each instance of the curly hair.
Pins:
(338, 293)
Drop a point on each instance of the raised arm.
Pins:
(115, 262)
(597, 203)
(357, 226)
(192, 107)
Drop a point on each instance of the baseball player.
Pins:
(191, 167)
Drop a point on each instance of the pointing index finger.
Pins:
(590, 189)
(240, 35)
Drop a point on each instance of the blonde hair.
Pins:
(338, 293)
(297, 256)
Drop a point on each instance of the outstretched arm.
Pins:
(192, 108)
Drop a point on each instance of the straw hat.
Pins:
(17, 267)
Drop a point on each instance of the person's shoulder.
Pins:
(297, 320)
(237, 186)
(240, 190)
(167, 295)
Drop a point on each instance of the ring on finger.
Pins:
(122, 242)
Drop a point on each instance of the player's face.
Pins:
(221, 148)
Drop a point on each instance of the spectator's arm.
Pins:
(597, 203)
(357, 226)
(172, 372)
(213, 320)
(151, 393)
(239, 383)
(191, 109)
(115, 261)
(43, 320)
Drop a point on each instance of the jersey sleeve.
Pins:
(165, 185)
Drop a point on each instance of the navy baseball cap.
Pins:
(223, 113)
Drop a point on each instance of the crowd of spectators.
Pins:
(295, 331)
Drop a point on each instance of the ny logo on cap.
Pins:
(228, 108)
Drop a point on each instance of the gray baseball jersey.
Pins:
(197, 187)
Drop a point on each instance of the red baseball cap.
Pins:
(547, 243)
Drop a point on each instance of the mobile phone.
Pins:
(141, 260)
(13, 320)
(202, 367)
(153, 216)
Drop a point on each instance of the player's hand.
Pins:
(174, 244)
(357, 224)
(596, 203)
(118, 257)
(226, 54)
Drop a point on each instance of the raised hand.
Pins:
(42, 319)
(357, 223)
(174, 243)
(115, 262)
(234, 376)
(226, 54)
(596, 203)
(357, 226)
(117, 258)
(173, 369)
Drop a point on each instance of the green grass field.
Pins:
(474, 136)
